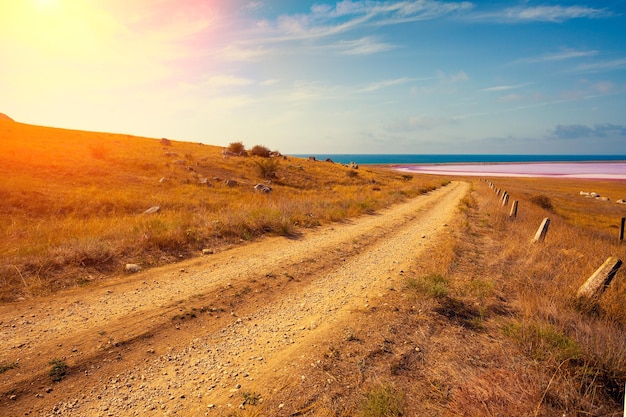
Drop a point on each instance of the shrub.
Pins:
(236, 148)
(267, 168)
(542, 201)
(258, 150)
(58, 370)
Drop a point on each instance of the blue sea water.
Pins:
(412, 159)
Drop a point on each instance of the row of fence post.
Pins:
(600, 280)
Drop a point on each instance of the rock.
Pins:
(132, 268)
(162, 180)
(230, 183)
(205, 182)
(621, 201)
(152, 210)
(207, 251)
(262, 188)
(312, 159)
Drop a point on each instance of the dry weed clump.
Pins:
(72, 203)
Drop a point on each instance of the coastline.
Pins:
(607, 170)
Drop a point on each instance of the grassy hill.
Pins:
(72, 203)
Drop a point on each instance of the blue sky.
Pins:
(324, 77)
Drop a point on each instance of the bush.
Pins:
(267, 168)
(236, 148)
(59, 370)
(261, 151)
(542, 201)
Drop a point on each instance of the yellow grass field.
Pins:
(487, 324)
(72, 202)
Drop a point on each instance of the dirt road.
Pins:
(189, 339)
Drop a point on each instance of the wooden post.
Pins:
(601, 279)
(542, 231)
(505, 200)
(513, 213)
(621, 231)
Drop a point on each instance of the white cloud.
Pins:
(363, 46)
(509, 98)
(383, 84)
(559, 56)
(555, 14)
(601, 66)
(498, 88)
(325, 20)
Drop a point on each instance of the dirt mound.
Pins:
(5, 117)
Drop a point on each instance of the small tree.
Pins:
(236, 148)
(261, 151)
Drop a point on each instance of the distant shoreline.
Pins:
(608, 170)
(437, 159)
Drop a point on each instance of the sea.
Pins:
(420, 159)
(563, 166)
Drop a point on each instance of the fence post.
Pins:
(542, 231)
(601, 279)
(621, 230)
(513, 213)
(505, 199)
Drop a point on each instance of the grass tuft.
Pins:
(382, 401)
(59, 370)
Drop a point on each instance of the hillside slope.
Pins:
(73, 202)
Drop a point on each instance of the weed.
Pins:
(431, 285)
(251, 398)
(542, 341)
(191, 314)
(382, 401)
(267, 168)
(59, 369)
(543, 202)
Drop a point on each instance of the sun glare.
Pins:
(44, 4)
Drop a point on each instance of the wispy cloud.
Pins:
(363, 46)
(601, 66)
(558, 56)
(510, 98)
(554, 14)
(498, 88)
(327, 20)
(383, 84)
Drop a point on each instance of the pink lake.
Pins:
(591, 170)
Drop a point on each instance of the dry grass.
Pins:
(486, 324)
(71, 202)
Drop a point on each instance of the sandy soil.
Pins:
(188, 339)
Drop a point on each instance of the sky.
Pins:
(299, 76)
